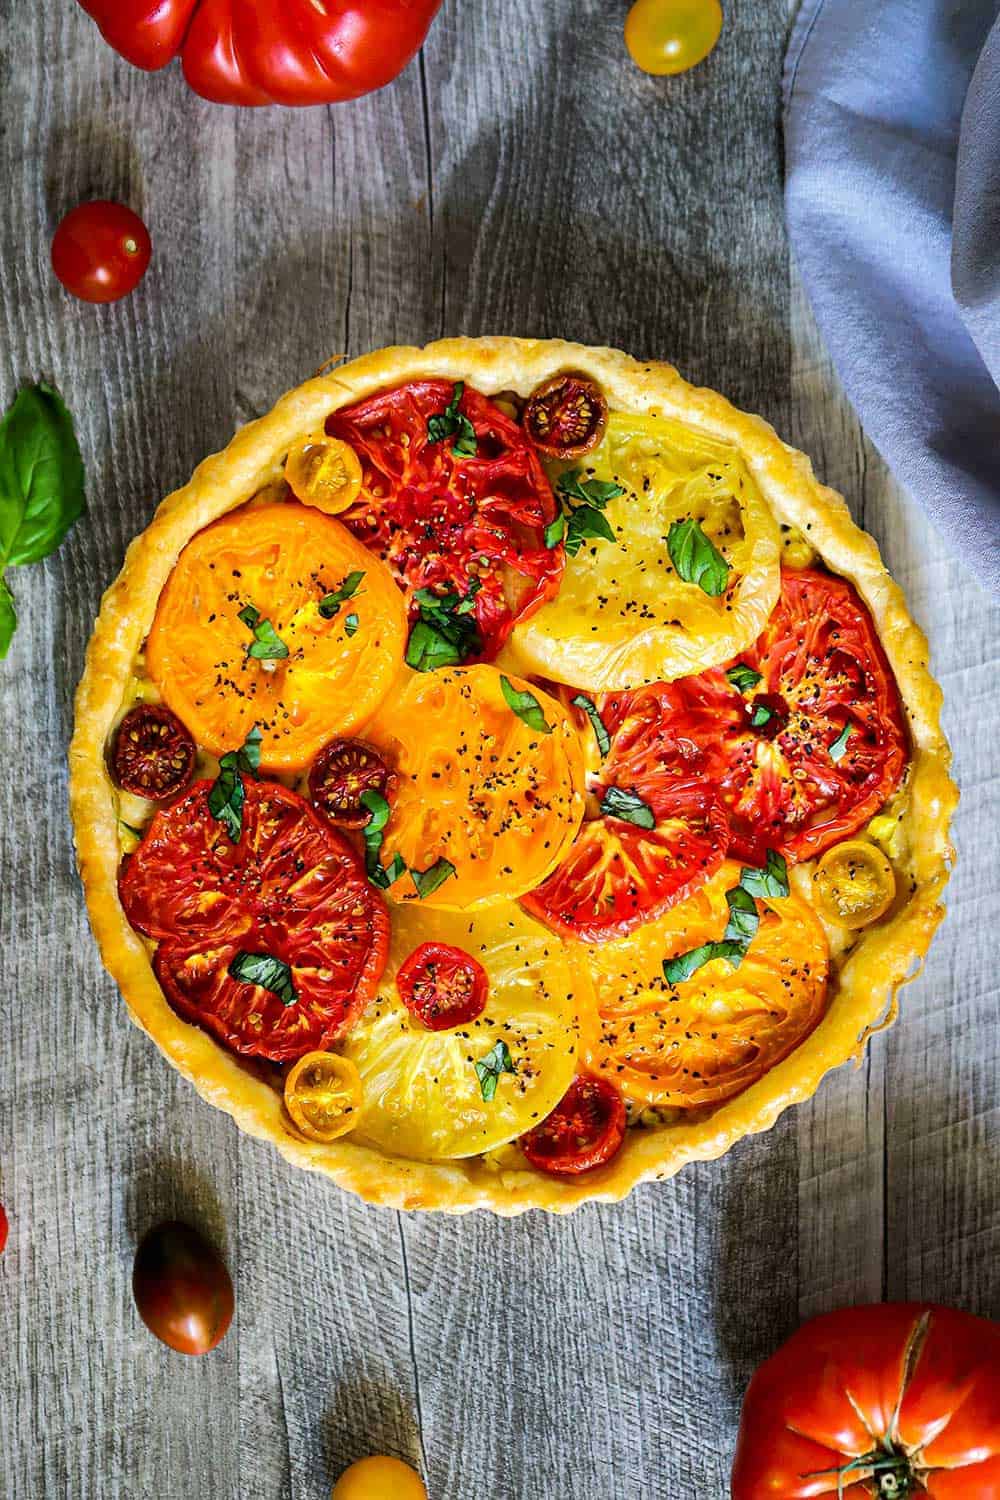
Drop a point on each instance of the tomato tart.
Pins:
(504, 774)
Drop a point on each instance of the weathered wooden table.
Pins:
(522, 176)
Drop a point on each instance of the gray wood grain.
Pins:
(520, 177)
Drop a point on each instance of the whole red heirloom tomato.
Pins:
(899, 1399)
(285, 52)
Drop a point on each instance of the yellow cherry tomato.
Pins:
(323, 1095)
(853, 884)
(379, 1478)
(670, 36)
(325, 472)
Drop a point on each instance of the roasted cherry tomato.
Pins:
(379, 1478)
(182, 1289)
(324, 472)
(585, 1130)
(292, 889)
(566, 416)
(340, 775)
(336, 623)
(710, 1036)
(853, 884)
(670, 36)
(900, 1399)
(4, 1227)
(620, 873)
(323, 1095)
(443, 986)
(464, 511)
(153, 754)
(100, 251)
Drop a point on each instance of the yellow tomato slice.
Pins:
(423, 1097)
(279, 561)
(853, 884)
(623, 616)
(325, 472)
(476, 785)
(711, 1036)
(323, 1095)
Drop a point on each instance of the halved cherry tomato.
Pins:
(619, 874)
(712, 1035)
(153, 754)
(670, 36)
(292, 888)
(379, 1478)
(853, 884)
(100, 251)
(585, 1130)
(443, 986)
(324, 472)
(4, 1227)
(339, 777)
(440, 515)
(280, 563)
(566, 416)
(182, 1289)
(323, 1095)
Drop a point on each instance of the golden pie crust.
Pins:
(863, 992)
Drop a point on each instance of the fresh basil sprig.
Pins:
(41, 487)
(453, 423)
(744, 920)
(695, 558)
(330, 603)
(839, 747)
(267, 971)
(489, 1069)
(266, 645)
(581, 503)
(617, 802)
(227, 793)
(525, 705)
(445, 633)
(596, 722)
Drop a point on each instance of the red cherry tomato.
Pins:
(585, 1130)
(182, 1289)
(292, 891)
(566, 416)
(153, 753)
(341, 774)
(450, 520)
(443, 986)
(100, 251)
(4, 1226)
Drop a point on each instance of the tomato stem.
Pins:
(891, 1470)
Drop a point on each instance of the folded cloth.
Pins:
(890, 188)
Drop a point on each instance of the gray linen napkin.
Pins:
(890, 189)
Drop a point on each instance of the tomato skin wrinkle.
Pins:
(101, 251)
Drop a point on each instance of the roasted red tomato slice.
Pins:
(153, 754)
(454, 499)
(443, 986)
(660, 829)
(585, 1130)
(274, 944)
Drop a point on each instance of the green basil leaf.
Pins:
(453, 423)
(771, 881)
(41, 476)
(596, 722)
(628, 806)
(584, 522)
(743, 917)
(760, 715)
(525, 705)
(555, 531)
(428, 881)
(330, 603)
(742, 677)
(445, 633)
(467, 605)
(677, 970)
(8, 617)
(489, 1069)
(379, 809)
(383, 876)
(696, 559)
(267, 645)
(351, 625)
(227, 793)
(270, 973)
(595, 492)
(249, 616)
(839, 747)
(249, 753)
(380, 875)
(429, 648)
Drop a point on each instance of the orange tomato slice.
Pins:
(477, 786)
(712, 1035)
(279, 562)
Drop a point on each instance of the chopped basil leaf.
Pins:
(227, 793)
(445, 634)
(676, 970)
(384, 876)
(249, 616)
(488, 1070)
(597, 723)
(582, 502)
(742, 677)
(372, 833)
(588, 491)
(330, 603)
(525, 705)
(249, 755)
(696, 559)
(268, 972)
(555, 531)
(839, 747)
(266, 645)
(771, 881)
(351, 625)
(584, 522)
(428, 881)
(453, 423)
(743, 918)
(618, 803)
(760, 715)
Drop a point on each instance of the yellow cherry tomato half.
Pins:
(670, 36)
(323, 1095)
(853, 884)
(325, 472)
(379, 1478)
